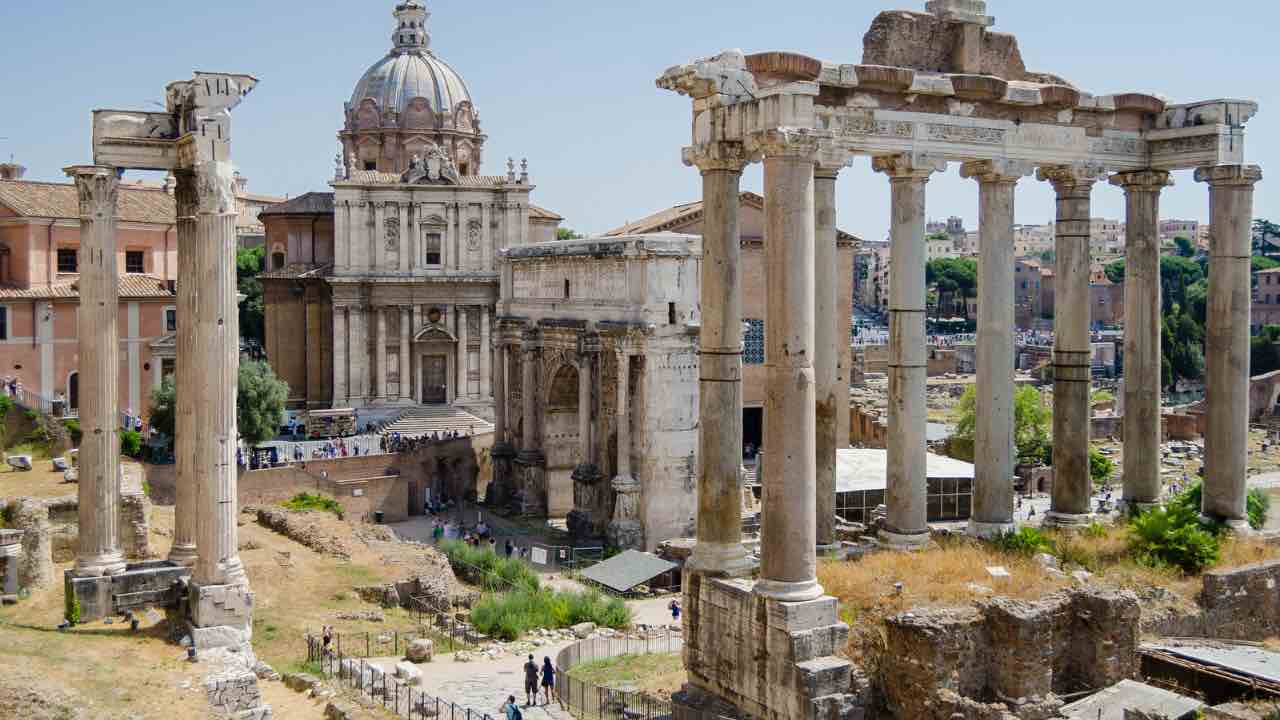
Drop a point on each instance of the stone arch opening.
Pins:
(560, 438)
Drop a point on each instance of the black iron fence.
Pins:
(450, 633)
(392, 643)
(588, 701)
(382, 687)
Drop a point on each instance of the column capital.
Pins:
(1142, 180)
(909, 166)
(98, 187)
(721, 156)
(1064, 177)
(996, 171)
(797, 143)
(1216, 175)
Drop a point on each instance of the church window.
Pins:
(433, 248)
(67, 260)
(170, 319)
(4, 323)
(370, 164)
(135, 262)
(566, 289)
(753, 343)
(277, 261)
(671, 313)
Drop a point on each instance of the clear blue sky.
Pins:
(570, 83)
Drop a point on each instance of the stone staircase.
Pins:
(429, 419)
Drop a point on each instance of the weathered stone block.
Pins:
(409, 673)
(420, 651)
(222, 605)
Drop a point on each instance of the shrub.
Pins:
(489, 570)
(306, 502)
(510, 615)
(31, 415)
(1095, 530)
(1024, 541)
(1100, 466)
(73, 429)
(1257, 504)
(6, 404)
(1173, 536)
(131, 443)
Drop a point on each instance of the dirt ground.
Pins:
(41, 482)
(108, 672)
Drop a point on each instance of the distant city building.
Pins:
(1106, 236)
(1266, 299)
(1032, 240)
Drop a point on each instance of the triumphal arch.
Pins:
(933, 88)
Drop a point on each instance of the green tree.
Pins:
(1257, 263)
(1032, 421)
(1176, 275)
(1266, 236)
(1100, 466)
(1264, 350)
(954, 278)
(1047, 258)
(249, 264)
(1186, 248)
(1181, 346)
(1115, 271)
(260, 401)
(567, 234)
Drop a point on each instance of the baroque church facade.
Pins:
(381, 293)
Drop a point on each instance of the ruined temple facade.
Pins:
(381, 294)
(597, 381)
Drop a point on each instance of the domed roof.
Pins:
(411, 70)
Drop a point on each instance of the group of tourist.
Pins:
(396, 442)
(534, 677)
(11, 386)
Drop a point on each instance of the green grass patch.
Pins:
(510, 615)
(307, 502)
(489, 570)
(628, 670)
(1257, 504)
(1025, 540)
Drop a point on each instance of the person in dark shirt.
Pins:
(531, 682)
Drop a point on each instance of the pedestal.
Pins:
(531, 469)
(625, 530)
(221, 615)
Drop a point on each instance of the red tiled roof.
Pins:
(131, 286)
(59, 200)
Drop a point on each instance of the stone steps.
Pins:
(429, 419)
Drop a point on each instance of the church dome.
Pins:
(409, 101)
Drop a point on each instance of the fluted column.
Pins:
(788, 554)
(529, 392)
(993, 436)
(98, 547)
(486, 372)
(406, 373)
(1142, 306)
(190, 365)
(625, 529)
(719, 548)
(464, 354)
(1226, 443)
(218, 341)
(340, 353)
(828, 313)
(500, 395)
(907, 488)
(380, 353)
(358, 354)
(1072, 351)
(584, 409)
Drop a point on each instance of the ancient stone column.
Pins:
(358, 354)
(500, 396)
(1142, 305)
(719, 548)
(529, 391)
(1226, 444)
(218, 343)
(339, 350)
(625, 530)
(380, 353)
(486, 372)
(190, 365)
(829, 317)
(98, 549)
(1072, 352)
(993, 449)
(464, 354)
(531, 460)
(406, 386)
(788, 553)
(584, 410)
(907, 522)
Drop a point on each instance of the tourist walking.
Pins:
(548, 680)
(509, 709)
(531, 682)
(510, 548)
(674, 607)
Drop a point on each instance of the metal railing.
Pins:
(588, 701)
(451, 633)
(379, 686)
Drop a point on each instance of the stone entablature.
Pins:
(598, 341)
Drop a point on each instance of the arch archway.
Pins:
(560, 438)
(73, 390)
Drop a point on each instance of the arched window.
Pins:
(566, 289)
(277, 261)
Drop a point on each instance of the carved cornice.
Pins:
(98, 188)
(909, 166)
(717, 156)
(1001, 171)
(797, 143)
(1142, 180)
(1222, 175)
(723, 78)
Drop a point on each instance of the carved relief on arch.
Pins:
(419, 115)
(368, 116)
(552, 360)
(562, 389)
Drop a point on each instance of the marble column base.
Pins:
(781, 591)
(111, 563)
(221, 615)
(1069, 521)
(720, 559)
(184, 555)
(989, 530)
(898, 541)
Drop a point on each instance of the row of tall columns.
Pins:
(1226, 444)
(719, 549)
(1072, 351)
(1142, 322)
(183, 550)
(98, 552)
(829, 312)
